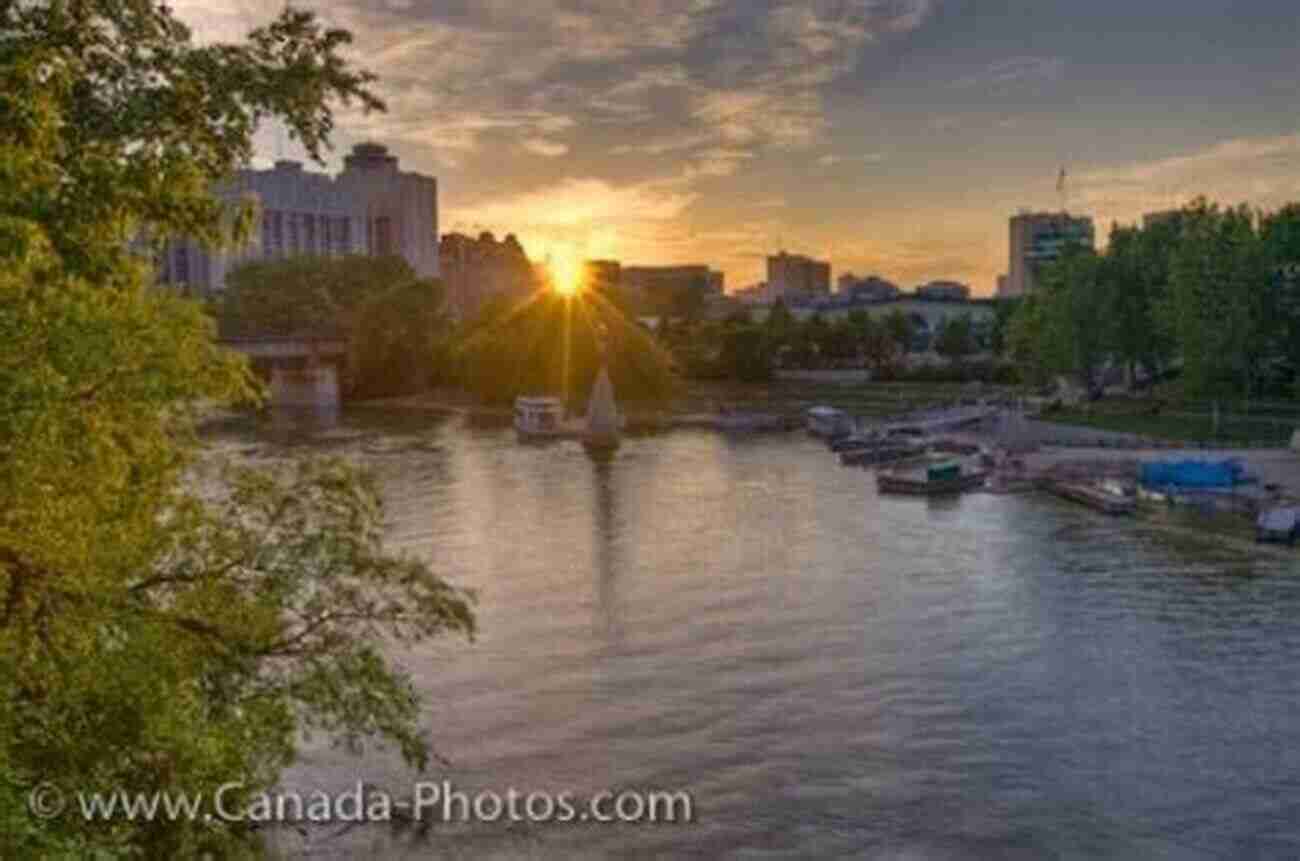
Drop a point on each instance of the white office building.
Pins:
(372, 207)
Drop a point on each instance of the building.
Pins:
(754, 294)
(952, 291)
(602, 274)
(400, 208)
(369, 208)
(794, 277)
(873, 288)
(659, 287)
(1038, 238)
(477, 270)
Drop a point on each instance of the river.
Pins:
(827, 672)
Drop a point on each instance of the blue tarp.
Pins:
(1193, 473)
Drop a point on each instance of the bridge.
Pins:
(303, 369)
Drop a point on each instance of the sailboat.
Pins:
(604, 424)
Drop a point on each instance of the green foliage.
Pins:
(556, 344)
(956, 339)
(1075, 331)
(899, 328)
(152, 639)
(396, 325)
(1215, 307)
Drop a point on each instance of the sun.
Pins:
(566, 272)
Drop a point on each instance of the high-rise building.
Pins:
(657, 284)
(796, 277)
(1038, 238)
(370, 208)
(400, 208)
(477, 270)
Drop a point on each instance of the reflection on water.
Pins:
(830, 673)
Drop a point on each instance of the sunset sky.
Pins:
(893, 136)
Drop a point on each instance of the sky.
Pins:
(892, 137)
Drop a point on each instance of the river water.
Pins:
(828, 673)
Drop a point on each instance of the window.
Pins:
(292, 218)
(383, 241)
(309, 233)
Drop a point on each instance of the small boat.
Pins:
(885, 453)
(1278, 524)
(538, 418)
(1106, 497)
(933, 480)
(828, 422)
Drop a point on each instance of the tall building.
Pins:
(477, 270)
(369, 208)
(658, 284)
(400, 208)
(794, 276)
(1038, 238)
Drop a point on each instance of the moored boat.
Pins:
(1278, 524)
(1105, 497)
(829, 422)
(932, 480)
(885, 453)
(539, 417)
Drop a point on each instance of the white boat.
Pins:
(1278, 524)
(539, 417)
(828, 422)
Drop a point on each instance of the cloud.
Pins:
(1263, 171)
(1014, 70)
(545, 148)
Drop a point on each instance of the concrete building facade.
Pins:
(791, 276)
(1037, 238)
(370, 208)
(653, 282)
(477, 270)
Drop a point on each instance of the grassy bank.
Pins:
(1182, 425)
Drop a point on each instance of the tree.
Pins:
(1074, 334)
(1135, 278)
(556, 344)
(152, 638)
(746, 354)
(1215, 308)
(395, 323)
(956, 339)
(1004, 310)
(899, 328)
(1280, 233)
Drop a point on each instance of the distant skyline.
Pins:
(893, 137)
